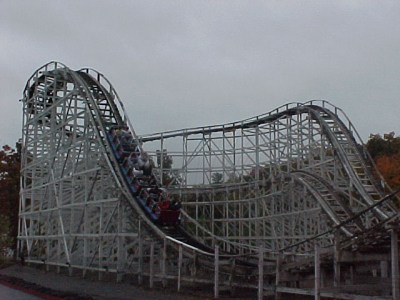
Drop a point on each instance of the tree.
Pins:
(387, 145)
(385, 151)
(389, 167)
(6, 240)
(217, 178)
(165, 165)
(9, 191)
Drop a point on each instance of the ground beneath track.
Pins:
(53, 286)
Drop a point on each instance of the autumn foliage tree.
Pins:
(9, 192)
(170, 177)
(386, 153)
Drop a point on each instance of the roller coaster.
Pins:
(286, 203)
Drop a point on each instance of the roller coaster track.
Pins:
(279, 182)
(332, 192)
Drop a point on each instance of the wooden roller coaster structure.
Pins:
(285, 203)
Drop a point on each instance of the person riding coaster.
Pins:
(137, 169)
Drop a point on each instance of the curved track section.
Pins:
(277, 182)
(77, 207)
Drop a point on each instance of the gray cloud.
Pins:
(180, 64)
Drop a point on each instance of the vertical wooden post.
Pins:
(85, 242)
(120, 246)
(194, 269)
(260, 273)
(351, 274)
(231, 275)
(278, 276)
(336, 259)
(120, 258)
(85, 255)
(140, 264)
(58, 270)
(179, 267)
(100, 243)
(152, 264)
(216, 271)
(164, 266)
(47, 266)
(395, 264)
(384, 269)
(317, 272)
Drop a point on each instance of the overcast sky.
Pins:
(178, 64)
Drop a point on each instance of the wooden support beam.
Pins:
(58, 269)
(260, 273)
(216, 271)
(278, 276)
(180, 266)
(140, 263)
(352, 272)
(232, 275)
(317, 273)
(120, 246)
(395, 264)
(384, 269)
(336, 259)
(194, 266)
(164, 264)
(151, 265)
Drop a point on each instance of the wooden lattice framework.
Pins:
(288, 181)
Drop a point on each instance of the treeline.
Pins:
(385, 151)
(10, 161)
